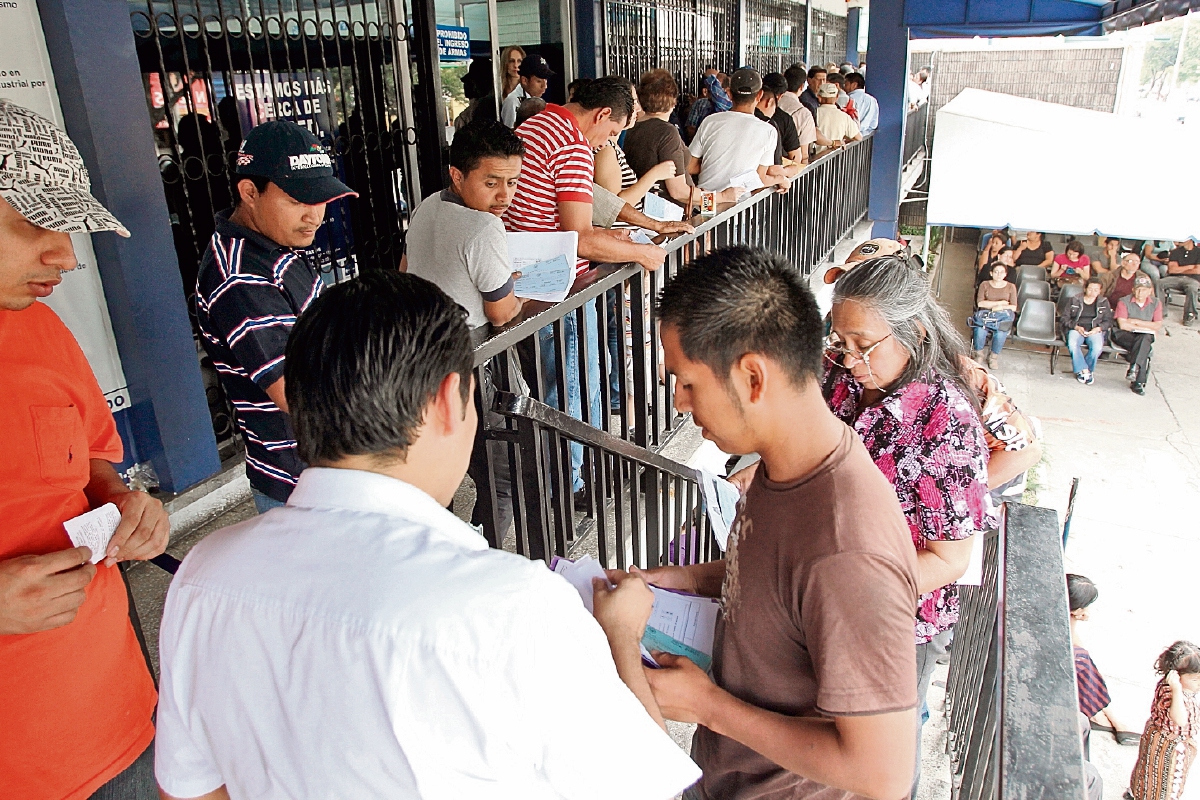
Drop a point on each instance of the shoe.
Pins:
(993, 361)
(1138, 388)
(977, 355)
(1091, 378)
(1188, 319)
(1128, 738)
(1082, 377)
(1131, 375)
(580, 501)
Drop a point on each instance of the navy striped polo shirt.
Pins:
(249, 292)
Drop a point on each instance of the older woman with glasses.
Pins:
(895, 374)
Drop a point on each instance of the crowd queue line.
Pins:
(363, 641)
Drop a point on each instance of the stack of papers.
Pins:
(749, 181)
(680, 623)
(720, 503)
(661, 209)
(546, 262)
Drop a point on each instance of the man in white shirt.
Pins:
(831, 120)
(733, 144)
(362, 641)
(867, 105)
(534, 74)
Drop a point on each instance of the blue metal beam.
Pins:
(104, 106)
(887, 68)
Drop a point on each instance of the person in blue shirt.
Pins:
(868, 106)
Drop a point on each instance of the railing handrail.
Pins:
(491, 341)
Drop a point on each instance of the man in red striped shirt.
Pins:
(555, 194)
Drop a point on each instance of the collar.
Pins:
(228, 228)
(371, 493)
(451, 196)
(561, 111)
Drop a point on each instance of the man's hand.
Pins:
(671, 228)
(144, 529)
(730, 195)
(40, 593)
(681, 689)
(623, 610)
(744, 477)
(678, 578)
(1079, 329)
(651, 256)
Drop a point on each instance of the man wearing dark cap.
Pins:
(76, 696)
(730, 145)
(254, 281)
(534, 74)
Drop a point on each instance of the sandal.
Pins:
(1127, 737)
(1096, 726)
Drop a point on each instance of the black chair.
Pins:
(1038, 324)
(1032, 290)
(1066, 293)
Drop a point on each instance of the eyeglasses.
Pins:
(836, 350)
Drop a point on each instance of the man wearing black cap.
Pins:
(728, 146)
(255, 280)
(534, 73)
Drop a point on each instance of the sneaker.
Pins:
(993, 361)
(1131, 375)
(1082, 377)
(977, 355)
(1091, 378)
(1138, 388)
(1188, 319)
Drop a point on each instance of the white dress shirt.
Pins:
(512, 104)
(364, 642)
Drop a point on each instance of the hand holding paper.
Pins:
(94, 529)
(549, 281)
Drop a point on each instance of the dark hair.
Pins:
(364, 361)
(1183, 657)
(775, 83)
(530, 107)
(815, 71)
(836, 78)
(657, 91)
(1095, 280)
(857, 78)
(489, 139)
(740, 300)
(478, 81)
(259, 182)
(1074, 246)
(891, 287)
(573, 87)
(795, 75)
(611, 91)
(1005, 249)
(1081, 592)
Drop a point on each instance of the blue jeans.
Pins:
(984, 322)
(574, 407)
(1075, 342)
(263, 503)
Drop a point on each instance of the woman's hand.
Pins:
(1173, 681)
(661, 172)
(1079, 329)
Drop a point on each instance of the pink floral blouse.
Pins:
(928, 440)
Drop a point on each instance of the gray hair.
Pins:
(898, 292)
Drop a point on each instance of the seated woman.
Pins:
(991, 249)
(1034, 251)
(1086, 320)
(1109, 259)
(1073, 266)
(997, 304)
(1094, 701)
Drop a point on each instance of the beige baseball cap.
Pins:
(871, 248)
(43, 177)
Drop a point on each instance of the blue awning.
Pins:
(988, 18)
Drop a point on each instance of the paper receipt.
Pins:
(94, 529)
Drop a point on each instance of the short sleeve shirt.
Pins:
(817, 607)
(1127, 308)
(249, 292)
(1072, 268)
(463, 251)
(1182, 256)
(802, 118)
(928, 441)
(730, 144)
(1033, 257)
(77, 700)
(652, 142)
(835, 123)
(558, 167)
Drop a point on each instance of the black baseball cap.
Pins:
(745, 82)
(293, 159)
(533, 66)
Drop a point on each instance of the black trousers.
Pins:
(1139, 346)
(491, 454)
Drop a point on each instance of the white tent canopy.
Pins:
(1000, 160)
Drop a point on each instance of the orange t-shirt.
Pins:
(76, 701)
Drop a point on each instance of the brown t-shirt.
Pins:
(653, 141)
(819, 597)
(1007, 293)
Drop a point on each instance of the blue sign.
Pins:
(454, 43)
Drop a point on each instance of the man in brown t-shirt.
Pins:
(813, 688)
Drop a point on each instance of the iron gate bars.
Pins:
(775, 34)
(684, 37)
(636, 399)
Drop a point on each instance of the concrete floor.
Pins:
(1134, 531)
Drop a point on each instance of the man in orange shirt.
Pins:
(76, 698)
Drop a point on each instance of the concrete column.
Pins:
(887, 65)
(100, 90)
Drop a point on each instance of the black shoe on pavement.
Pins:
(1188, 319)
(1138, 388)
(1131, 375)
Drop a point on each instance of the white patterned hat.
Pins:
(43, 177)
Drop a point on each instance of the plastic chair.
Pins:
(1029, 273)
(1038, 324)
(1066, 293)
(1032, 290)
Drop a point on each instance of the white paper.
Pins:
(974, 574)
(549, 281)
(720, 503)
(683, 624)
(642, 236)
(94, 529)
(661, 209)
(748, 180)
(579, 574)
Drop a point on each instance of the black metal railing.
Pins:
(916, 127)
(1014, 727)
(635, 401)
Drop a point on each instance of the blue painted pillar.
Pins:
(887, 65)
(853, 19)
(104, 106)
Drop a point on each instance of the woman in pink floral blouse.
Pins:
(893, 364)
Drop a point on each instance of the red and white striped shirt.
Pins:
(558, 166)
